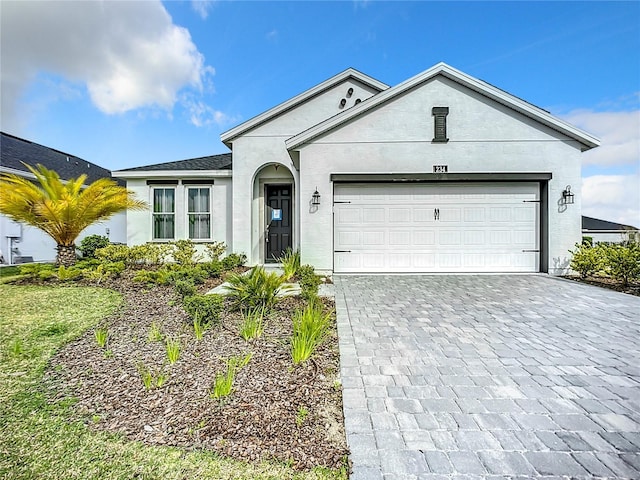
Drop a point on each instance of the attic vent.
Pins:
(440, 124)
(343, 102)
(358, 101)
(349, 92)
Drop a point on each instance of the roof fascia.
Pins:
(29, 175)
(500, 96)
(228, 136)
(171, 174)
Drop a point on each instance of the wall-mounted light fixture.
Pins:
(315, 198)
(567, 196)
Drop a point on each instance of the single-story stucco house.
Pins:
(441, 173)
(21, 243)
(609, 232)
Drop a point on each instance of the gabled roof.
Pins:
(211, 162)
(489, 91)
(595, 224)
(15, 150)
(229, 135)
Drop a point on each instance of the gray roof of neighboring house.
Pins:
(15, 150)
(221, 161)
(589, 223)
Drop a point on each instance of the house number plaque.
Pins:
(440, 168)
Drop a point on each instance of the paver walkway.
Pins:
(465, 377)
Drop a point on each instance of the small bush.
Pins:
(623, 262)
(586, 260)
(91, 243)
(194, 274)
(184, 252)
(233, 260)
(257, 289)
(65, 274)
(151, 253)
(214, 250)
(113, 253)
(309, 282)
(185, 288)
(310, 328)
(213, 268)
(205, 308)
(33, 270)
(290, 261)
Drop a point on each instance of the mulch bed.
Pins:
(632, 289)
(258, 421)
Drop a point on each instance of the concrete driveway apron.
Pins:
(452, 377)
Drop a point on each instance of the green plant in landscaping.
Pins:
(206, 308)
(16, 348)
(34, 270)
(252, 324)
(173, 350)
(113, 253)
(102, 336)
(199, 328)
(214, 250)
(97, 275)
(290, 261)
(151, 378)
(623, 262)
(301, 414)
(310, 328)
(587, 260)
(255, 289)
(309, 282)
(155, 334)
(223, 382)
(184, 253)
(65, 274)
(194, 274)
(91, 243)
(185, 288)
(233, 260)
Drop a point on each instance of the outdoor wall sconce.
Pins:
(315, 198)
(567, 196)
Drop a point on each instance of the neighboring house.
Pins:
(441, 173)
(604, 231)
(20, 243)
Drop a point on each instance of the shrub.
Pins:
(194, 274)
(213, 268)
(65, 274)
(623, 262)
(185, 288)
(151, 253)
(290, 261)
(113, 253)
(309, 282)
(255, 289)
(233, 260)
(586, 260)
(34, 270)
(205, 308)
(91, 243)
(184, 252)
(310, 328)
(214, 250)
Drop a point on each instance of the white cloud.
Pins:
(619, 132)
(202, 7)
(129, 55)
(615, 198)
(272, 35)
(201, 114)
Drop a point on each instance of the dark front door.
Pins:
(278, 221)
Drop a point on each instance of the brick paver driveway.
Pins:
(489, 377)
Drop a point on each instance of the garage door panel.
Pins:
(394, 228)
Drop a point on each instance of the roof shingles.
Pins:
(212, 162)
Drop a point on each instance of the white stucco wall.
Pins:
(139, 225)
(485, 137)
(264, 146)
(33, 242)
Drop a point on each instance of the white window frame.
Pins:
(154, 213)
(188, 213)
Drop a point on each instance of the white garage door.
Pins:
(426, 227)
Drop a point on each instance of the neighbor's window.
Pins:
(199, 212)
(164, 213)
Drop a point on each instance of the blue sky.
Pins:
(125, 84)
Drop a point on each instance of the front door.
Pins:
(278, 221)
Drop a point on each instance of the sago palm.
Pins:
(62, 209)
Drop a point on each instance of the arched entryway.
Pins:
(274, 212)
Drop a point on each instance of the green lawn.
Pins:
(37, 439)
